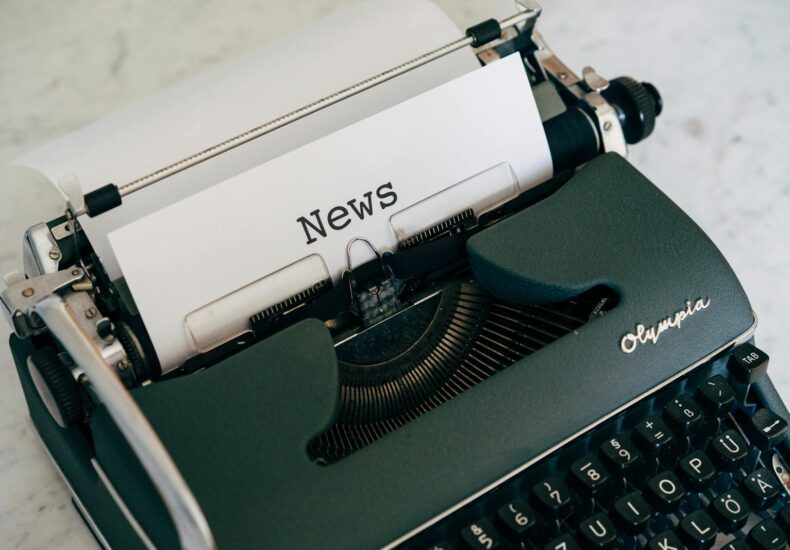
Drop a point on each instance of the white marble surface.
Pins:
(720, 150)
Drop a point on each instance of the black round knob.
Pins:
(637, 103)
(653, 91)
(56, 386)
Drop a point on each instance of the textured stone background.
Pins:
(720, 149)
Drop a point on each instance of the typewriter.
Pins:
(572, 369)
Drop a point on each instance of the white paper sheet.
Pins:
(350, 45)
(216, 242)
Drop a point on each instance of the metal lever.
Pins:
(17, 301)
(191, 525)
(588, 90)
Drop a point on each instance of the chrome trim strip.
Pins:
(77, 502)
(735, 341)
(122, 505)
(191, 524)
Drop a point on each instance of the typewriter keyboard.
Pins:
(699, 464)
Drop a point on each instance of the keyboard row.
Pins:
(631, 514)
(680, 477)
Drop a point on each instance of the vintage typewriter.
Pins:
(574, 368)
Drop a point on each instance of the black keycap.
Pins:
(683, 414)
(761, 488)
(783, 518)
(563, 542)
(665, 492)
(730, 510)
(517, 518)
(767, 535)
(652, 435)
(698, 530)
(665, 541)
(747, 363)
(620, 455)
(553, 497)
(729, 450)
(696, 471)
(598, 531)
(480, 535)
(736, 544)
(766, 429)
(716, 396)
(441, 545)
(589, 474)
(632, 513)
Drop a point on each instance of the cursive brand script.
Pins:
(643, 334)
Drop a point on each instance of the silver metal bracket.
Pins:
(96, 327)
(593, 81)
(608, 124)
(40, 251)
(587, 88)
(19, 298)
(781, 471)
(63, 230)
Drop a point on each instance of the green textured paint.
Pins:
(70, 449)
(239, 430)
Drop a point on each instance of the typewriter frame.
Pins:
(82, 334)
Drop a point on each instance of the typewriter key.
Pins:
(553, 497)
(480, 535)
(729, 450)
(698, 530)
(730, 510)
(767, 536)
(665, 492)
(748, 364)
(766, 429)
(589, 475)
(716, 396)
(761, 488)
(620, 454)
(517, 517)
(598, 531)
(665, 541)
(632, 513)
(697, 471)
(563, 542)
(653, 435)
(684, 414)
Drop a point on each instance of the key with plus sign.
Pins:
(653, 435)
